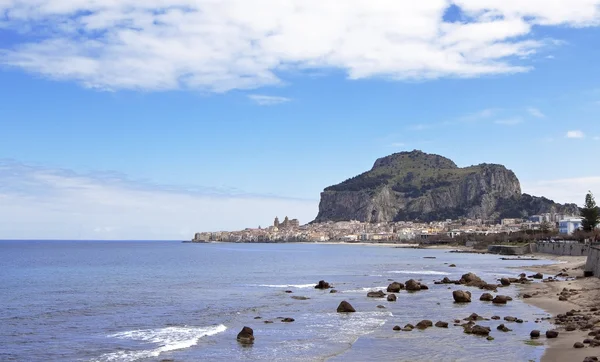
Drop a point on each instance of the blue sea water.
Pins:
(101, 301)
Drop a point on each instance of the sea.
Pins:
(106, 301)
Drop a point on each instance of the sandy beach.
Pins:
(545, 295)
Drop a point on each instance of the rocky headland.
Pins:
(409, 186)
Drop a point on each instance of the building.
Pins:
(506, 222)
(568, 226)
(537, 218)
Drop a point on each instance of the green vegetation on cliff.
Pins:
(420, 186)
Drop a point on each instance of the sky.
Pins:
(123, 119)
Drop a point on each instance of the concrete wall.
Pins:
(593, 261)
(509, 250)
(558, 248)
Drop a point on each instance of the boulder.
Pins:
(395, 287)
(288, 320)
(333, 291)
(452, 265)
(578, 345)
(391, 297)
(503, 328)
(322, 285)
(534, 334)
(381, 306)
(500, 299)
(424, 287)
(412, 285)
(477, 330)
(510, 319)
(377, 294)
(345, 307)
(474, 317)
(396, 328)
(495, 317)
(424, 324)
(297, 297)
(461, 296)
(526, 296)
(591, 359)
(505, 282)
(551, 334)
(472, 280)
(441, 324)
(486, 297)
(538, 276)
(246, 336)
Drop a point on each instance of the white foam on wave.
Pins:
(165, 339)
(420, 272)
(301, 286)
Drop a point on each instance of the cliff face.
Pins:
(415, 185)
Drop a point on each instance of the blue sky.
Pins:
(155, 120)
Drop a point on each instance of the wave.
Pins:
(420, 272)
(288, 285)
(166, 339)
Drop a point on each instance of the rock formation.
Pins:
(416, 185)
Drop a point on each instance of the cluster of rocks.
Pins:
(462, 296)
(472, 280)
(584, 321)
(395, 287)
(424, 324)
(565, 294)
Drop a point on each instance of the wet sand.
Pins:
(545, 296)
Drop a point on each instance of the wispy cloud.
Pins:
(484, 114)
(420, 127)
(38, 202)
(397, 145)
(536, 112)
(264, 100)
(508, 121)
(575, 134)
(243, 44)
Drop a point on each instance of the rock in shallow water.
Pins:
(377, 294)
(246, 336)
(345, 307)
(461, 296)
(322, 285)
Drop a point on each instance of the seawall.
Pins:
(562, 248)
(592, 265)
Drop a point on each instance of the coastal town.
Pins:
(290, 230)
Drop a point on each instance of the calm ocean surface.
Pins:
(148, 301)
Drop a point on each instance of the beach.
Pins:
(545, 295)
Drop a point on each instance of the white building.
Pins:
(568, 226)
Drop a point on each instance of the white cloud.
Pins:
(536, 112)
(264, 100)
(241, 44)
(46, 203)
(575, 134)
(572, 190)
(398, 145)
(509, 121)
